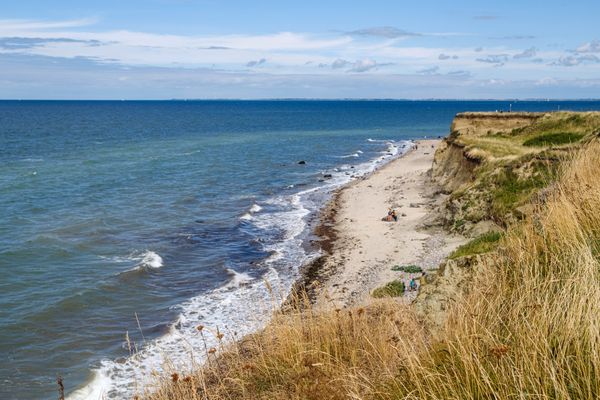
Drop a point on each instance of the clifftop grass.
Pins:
(511, 161)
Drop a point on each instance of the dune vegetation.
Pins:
(526, 327)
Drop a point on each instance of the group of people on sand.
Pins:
(391, 216)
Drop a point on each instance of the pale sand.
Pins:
(365, 247)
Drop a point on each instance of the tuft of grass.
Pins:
(411, 269)
(551, 139)
(509, 190)
(480, 245)
(394, 288)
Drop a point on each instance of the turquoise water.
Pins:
(148, 218)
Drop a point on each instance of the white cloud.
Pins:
(282, 54)
(590, 47)
(363, 65)
(11, 26)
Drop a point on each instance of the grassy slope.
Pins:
(527, 328)
(514, 164)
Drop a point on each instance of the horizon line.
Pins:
(321, 99)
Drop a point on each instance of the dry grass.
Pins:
(303, 354)
(528, 328)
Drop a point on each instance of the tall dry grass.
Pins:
(527, 328)
(303, 354)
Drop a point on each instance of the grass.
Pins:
(527, 328)
(551, 139)
(394, 288)
(480, 245)
(509, 190)
(410, 269)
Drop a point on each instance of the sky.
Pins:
(232, 49)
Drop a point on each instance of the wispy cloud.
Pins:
(388, 32)
(256, 63)
(527, 53)
(589, 47)
(363, 65)
(498, 59)
(443, 56)
(571, 61)
(429, 71)
(513, 37)
(17, 25)
(19, 43)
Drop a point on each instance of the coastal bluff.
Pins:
(494, 167)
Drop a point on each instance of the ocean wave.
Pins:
(147, 260)
(350, 155)
(151, 259)
(252, 210)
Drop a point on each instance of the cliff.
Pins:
(493, 166)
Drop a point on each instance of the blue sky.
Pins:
(161, 49)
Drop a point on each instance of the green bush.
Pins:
(391, 289)
(411, 269)
(550, 139)
(482, 244)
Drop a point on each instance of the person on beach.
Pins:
(391, 216)
(413, 284)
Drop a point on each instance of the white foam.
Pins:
(151, 259)
(380, 140)
(238, 278)
(252, 210)
(351, 155)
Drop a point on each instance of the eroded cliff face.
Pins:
(491, 175)
(456, 159)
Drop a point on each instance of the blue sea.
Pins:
(124, 225)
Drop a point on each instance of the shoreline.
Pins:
(359, 249)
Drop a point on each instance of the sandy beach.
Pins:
(363, 249)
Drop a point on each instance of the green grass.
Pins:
(550, 139)
(392, 289)
(509, 190)
(480, 245)
(411, 269)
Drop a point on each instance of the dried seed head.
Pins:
(175, 377)
(200, 328)
(212, 350)
(220, 336)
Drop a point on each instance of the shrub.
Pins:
(391, 289)
(411, 269)
(550, 139)
(480, 245)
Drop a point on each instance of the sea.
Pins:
(124, 225)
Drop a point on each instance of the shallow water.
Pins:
(147, 218)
